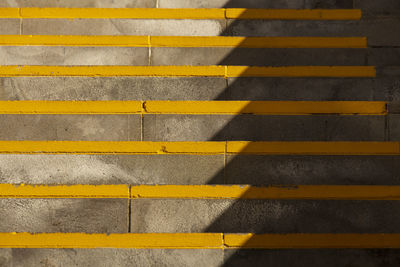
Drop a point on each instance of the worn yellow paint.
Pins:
(110, 147)
(194, 107)
(302, 71)
(198, 241)
(340, 192)
(308, 241)
(206, 148)
(188, 71)
(82, 240)
(180, 13)
(108, 71)
(327, 192)
(266, 107)
(294, 14)
(63, 191)
(70, 107)
(313, 148)
(184, 41)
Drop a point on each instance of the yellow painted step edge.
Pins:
(195, 107)
(199, 148)
(184, 41)
(325, 192)
(308, 241)
(82, 240)
(182, 13)
(198, 240)
(189, 71)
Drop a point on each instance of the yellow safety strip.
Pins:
(194, 107)
(188, 71)
(325, 192)
(198, 241)
(200, 148)
(180, 13)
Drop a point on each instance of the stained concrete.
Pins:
(317, 89)
(264, 216)
(111, 88)
(58, 55)
(269, 128)
(115, 257)
(64, 215)
(152, 27)
(110, 169)
(71, 127)
(9, 26)
(313, 170)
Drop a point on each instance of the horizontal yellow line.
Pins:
(194, 107)
(313, 148)
(63, 191)
(188, 71)
(184, 41)
(324, 192)
(81, 240)
(202, 148)
(342, 192)
(265, 107)
(198, 240)
(308, 241)
(181, 13)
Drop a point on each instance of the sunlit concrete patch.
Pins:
(64, 215)
(110, 169)
(123, 27)
(113, 257)
(70, 127)
(111, 88)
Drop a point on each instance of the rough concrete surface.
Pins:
(110, 169)
(123, 27)
(64, 215)
(71, 127)
(111, 88)
(313, 170)
(114, 257)
(263, 216)
(269, 128)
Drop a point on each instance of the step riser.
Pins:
(112, 257)
(64, 215)
(198, 88)
(198, 128)
(172, 169)
(239, 216)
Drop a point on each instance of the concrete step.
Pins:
(199, 88)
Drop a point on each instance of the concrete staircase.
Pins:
(138, 141)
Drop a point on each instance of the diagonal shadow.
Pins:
(295, 170)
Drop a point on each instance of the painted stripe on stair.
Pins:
(188, 71)
(82, 240)
(308, 241)
(198, 240)
(195, 107)
(181, 13)
(199, 148)
(322, 192)
(184, 41)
